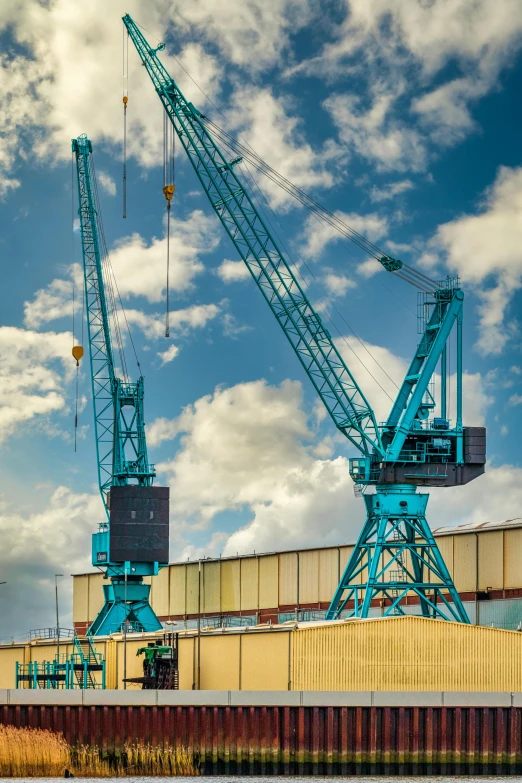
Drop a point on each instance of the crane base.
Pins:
(396, 556)
(126, 608)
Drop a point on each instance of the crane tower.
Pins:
(395, 555)
(133, 541)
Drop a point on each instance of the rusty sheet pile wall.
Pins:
(319, 740)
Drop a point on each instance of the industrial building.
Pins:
(382, 654)
(485, 561)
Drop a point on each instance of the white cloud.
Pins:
(249, 446)
(475, 32)
(394, 51)
(235, 446)
(107, 182)
(337, 285)
(169, 355)
(376, 370)
(250, 34)
(180, 321)
(390, 190)
(72, 62)
(231, 327)
(161, 430)
(36, 545)
(515, 399)
(31, 381)
(375, 133)
(445, 110)
(232, 271)
(274, 132)
(55, 300)
(317, 235)
(495, 496)
(486, 251)
(189, 240)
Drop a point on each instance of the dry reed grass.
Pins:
(33, 753)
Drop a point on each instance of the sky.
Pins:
(402, 118)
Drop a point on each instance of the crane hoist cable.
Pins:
(77, 349)
(310, 271)
(125, 102)
(399, 268)
(169, 187)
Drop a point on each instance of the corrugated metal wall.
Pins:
(478, 561)
(406, 654)
(391, 654)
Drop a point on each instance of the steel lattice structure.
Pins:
(395, 553)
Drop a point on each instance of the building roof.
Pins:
(474, 527)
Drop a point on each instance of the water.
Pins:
(293, 779)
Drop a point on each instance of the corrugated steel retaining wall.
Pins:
(282, 739)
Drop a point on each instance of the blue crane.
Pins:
(132, 541)
(396, 557)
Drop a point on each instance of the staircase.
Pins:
(86, 662)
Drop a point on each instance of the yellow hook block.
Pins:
(77, 353)
(168, 191)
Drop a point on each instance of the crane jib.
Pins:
(315, 349)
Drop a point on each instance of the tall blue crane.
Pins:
(132, 542)
(396, 558)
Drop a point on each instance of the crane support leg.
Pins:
(395, 560)
(127, 607)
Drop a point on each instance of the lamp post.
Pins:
(57, 618)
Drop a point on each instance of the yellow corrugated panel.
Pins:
(249, 584)
(186, 662)
(346, 553)
(288, 579)
(328, 573)
(465, 562)
(265, 661)
(219, 662)
(406, 654)
(177, 589)
(111, 663)
(193, 588)
(269, 582)
(9, 656)
(512, 558)
(81, 599)
(230, 586)
(491, 560)
(445, 544)
(159, 594)
(96, 598)
(211, 587)
(134, 662)
(309, 577)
